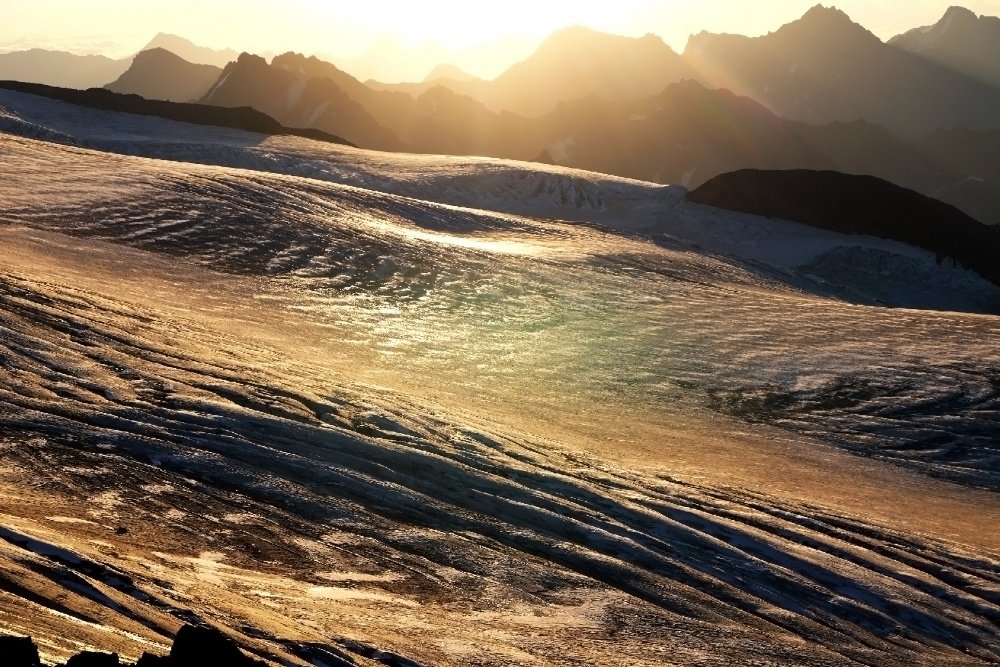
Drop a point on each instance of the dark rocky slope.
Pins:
(858, 205)
(242, 118)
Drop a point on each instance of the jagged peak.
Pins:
(822, 12)
(250, 59)
(828, 22)
(957, 11)
(819, 19)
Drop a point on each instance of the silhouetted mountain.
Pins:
(448, 72)
(58, 68)
(824, 67)
(290, 91)
(571, 64)
(158, 74)
(858, 205)
(191, 52)
(961, 41)
(242, 118)
(446, 75)
(444, 121)
(684, 134)
(688, 134)
(380, 105)
(303, 91)
(578, 62)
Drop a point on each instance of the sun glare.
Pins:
(460, 25)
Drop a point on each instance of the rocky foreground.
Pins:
(193, 645)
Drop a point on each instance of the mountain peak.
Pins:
(156, 53)
(251, 60)
(161, 74)
(819, 10)
(826, 16)
(961, 40)
(190, 51)
(448, 71)
(956, 11)
(823, 24)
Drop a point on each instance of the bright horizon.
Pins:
(422, 35)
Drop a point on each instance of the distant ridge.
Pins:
(304, 92)
(158, 74)
(571, 64)
(858, 205)
(684, 133)
(59, 68)
(961, 41)
(69, 70)
(824, 67)
(190, 51)
(448, 72)
(243, 118)
(578, 62)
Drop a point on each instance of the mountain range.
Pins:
(824, 67)
(819, 93)
(268, 397)
(961, 41)
(70, 70)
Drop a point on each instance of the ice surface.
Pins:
(468, 411)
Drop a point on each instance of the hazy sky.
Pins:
(345, 28)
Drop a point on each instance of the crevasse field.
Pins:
(367, 408)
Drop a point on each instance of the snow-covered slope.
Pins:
(436, 411)
(889, 273)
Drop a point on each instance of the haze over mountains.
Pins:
(824, 68)
(697, 379)
(922, 110)
(961, 41)
(69, 70)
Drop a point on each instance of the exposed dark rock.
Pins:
(242, 118)
(93, 659)
(19, 651)
(193, 646)
(206, 646)
(858, 205)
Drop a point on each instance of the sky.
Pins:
(488, 35)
